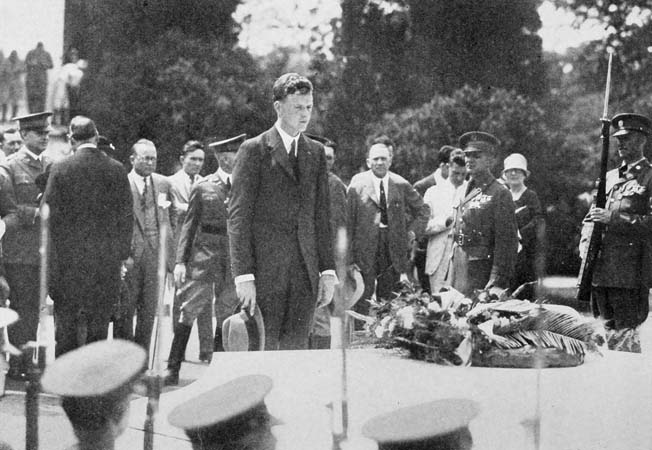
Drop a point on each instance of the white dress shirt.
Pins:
(225, 177)
(139, 181)
(286, 138)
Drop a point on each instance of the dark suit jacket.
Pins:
(405, 211)
(90, 226)
(165, 215)
(269, 206)
(19, 200)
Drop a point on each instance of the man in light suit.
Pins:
(181, 184)
(152, 200)
(442, 198)
(385, 215)
(279, 229)
(91, 221)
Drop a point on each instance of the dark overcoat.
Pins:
(90, 228)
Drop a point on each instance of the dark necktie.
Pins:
(228, 183)
(383, 204)
(192, 180)
(143, 198)
(294, 160)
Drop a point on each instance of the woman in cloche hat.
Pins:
(529, 218)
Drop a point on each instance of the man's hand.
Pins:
(326, 290)
(600, 215)
(127, 265)
(498, 292)
(179, 275)
(246, 291)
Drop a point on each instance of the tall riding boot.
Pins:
(177, 353)
(217, 341)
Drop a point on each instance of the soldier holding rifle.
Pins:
(621, 274)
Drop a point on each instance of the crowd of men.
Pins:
(260, 234)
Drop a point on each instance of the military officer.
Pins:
(622, 276)
(19, 208)
(214, 421)
(485, 237)
(203, 264)
(95, 384)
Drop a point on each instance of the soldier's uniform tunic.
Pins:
(485, 238)
(204, 249)
(623, 272)
(19, 202)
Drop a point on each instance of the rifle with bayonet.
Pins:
(154, 375)
(596, 229)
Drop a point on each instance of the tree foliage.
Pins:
(400, 53)
(171, 72)
(555, 159)
(628, 25)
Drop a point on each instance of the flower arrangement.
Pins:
(449, 328)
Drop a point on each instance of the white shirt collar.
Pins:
(377, 182)
(187, 177)
(32, 154)
(437, 176)
(223, 175)
(139, 180)
(287, 139)
(87, 145)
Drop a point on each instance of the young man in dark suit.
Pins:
(279, 227)
(90, 224)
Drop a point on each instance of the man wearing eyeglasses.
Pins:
(19, 209)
